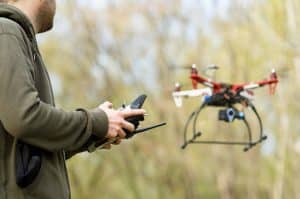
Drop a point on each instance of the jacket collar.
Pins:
(15, 14)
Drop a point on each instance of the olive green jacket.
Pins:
(28, 114)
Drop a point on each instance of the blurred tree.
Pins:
(115, 50)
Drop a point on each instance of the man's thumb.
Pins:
(106, 105)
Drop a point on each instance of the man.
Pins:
(35, 137)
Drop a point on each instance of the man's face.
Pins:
(46, 14)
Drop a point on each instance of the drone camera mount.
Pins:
(230, 114)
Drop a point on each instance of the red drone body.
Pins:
(225, 95)
(234, 88)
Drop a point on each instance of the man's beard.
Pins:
(45, 16)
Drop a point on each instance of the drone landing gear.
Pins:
(247, 148)
(248, 144)
(196, 135)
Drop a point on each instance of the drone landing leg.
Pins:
(195, 135)
(251, 145)
(192, 140)
(261, 137)
(198, 134)
(186, 142)
(247, 144)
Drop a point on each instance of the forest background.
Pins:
(117, 49)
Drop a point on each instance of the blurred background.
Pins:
(117, 49)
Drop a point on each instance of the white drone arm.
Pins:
(247, 95)
(251, 86)
(178, 95)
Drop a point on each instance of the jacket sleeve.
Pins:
(27, 118)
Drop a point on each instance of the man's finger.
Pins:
(117, 142)
(121, 132)
(128, 126)
(112, 134)
(132, 112)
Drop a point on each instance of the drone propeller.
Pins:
(210, 71)
(212, 67)
(272, 87)
(173, 67)
(194, 66)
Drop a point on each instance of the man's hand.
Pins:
(117, 122)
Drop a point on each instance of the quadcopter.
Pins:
(225, 96)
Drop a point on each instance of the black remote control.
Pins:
(135, 120)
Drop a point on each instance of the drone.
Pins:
(224, 96)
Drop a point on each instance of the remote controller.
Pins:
(135, 120)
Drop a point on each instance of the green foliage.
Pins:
(120, 50)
